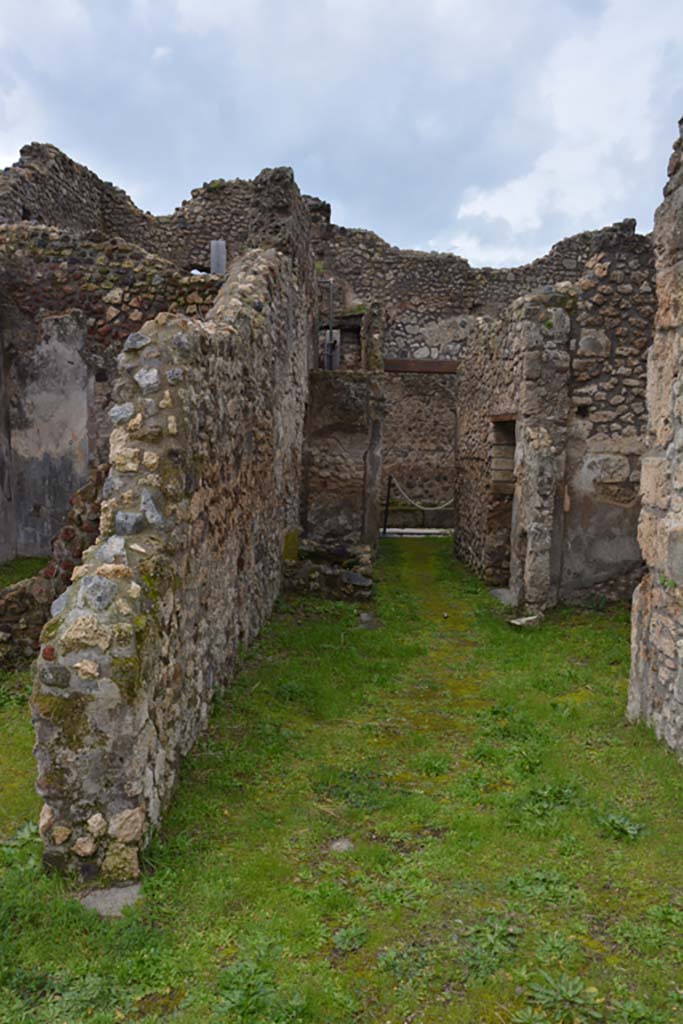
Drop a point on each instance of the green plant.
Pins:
(620, 826)
(249, 993)
(348, 939)
(667, 582)
(542, 886)
(489, 944)
(633, 1011)
(543, 801)
(556, 948)
(565, 999)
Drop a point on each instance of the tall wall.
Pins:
(613, 329)
(26, 606)
(204, 485)
(53, 393)
(46, 187)
(432, 300)
(564, 368)
(8, 546)
(68, 305)
(487, 392)
(656, 693)
(342, 459)
(418, 443)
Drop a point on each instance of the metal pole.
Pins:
(386, 506)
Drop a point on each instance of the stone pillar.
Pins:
(656, 688)
(8, 540)
(535, 557)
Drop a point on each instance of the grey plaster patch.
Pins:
(112, 902)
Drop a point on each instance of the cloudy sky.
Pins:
(490, 128)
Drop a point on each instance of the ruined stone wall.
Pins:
(8, 547)
(25, 606)
(567, 365)
(204, 485)
(68, 305)
(46, 187)
(612, 332)
(656, 694)
(342, 459)
(432, 300)
(53, 395)
(418, 444)
(487, 390)
(116, 284)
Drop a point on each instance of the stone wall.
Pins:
(432, 300)
(204, 486)
(117, 285)
(53, 398)
(68, 305)
(656, 692)
(26, 606)
(487, 392)
(46, 187)
(418, 444)
(561, 375)
(8, 532)
(615, 305)
(342, 459)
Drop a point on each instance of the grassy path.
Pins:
(440, 819)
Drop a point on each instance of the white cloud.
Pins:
(482, 253)
(599, 93)
(21, 120)
(39, 31)
(160, 53)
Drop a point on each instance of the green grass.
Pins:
(20, 569)
(514, 846)
(18, 800)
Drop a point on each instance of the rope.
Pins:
(423, 508)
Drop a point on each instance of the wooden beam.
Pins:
(420, 365)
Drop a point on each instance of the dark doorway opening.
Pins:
(501, 500)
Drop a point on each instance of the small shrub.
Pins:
(542, 802)
(348, 939)
(565, 999)
(620, 826)
(542, 886)
(490, 944)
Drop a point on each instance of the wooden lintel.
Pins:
(420, 365)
